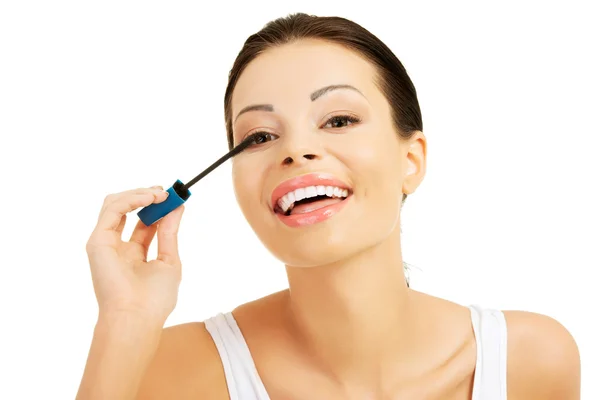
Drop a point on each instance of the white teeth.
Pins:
(283, 203)
(287, 201)
(290, 198)
(300, 194)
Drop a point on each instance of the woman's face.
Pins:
(335, 150)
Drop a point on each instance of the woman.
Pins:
(341, 147)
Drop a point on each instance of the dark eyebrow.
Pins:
(318, 93)
(314, 96)
(255, 107)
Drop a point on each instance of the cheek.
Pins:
(246, 184)
(375, 160)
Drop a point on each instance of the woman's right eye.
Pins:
(262, 137)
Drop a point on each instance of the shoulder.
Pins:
(543, 358)
(186, 365)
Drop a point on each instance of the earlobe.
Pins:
(408, 184)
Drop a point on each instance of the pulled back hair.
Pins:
(392, 79)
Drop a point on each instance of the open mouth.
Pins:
(310, 198)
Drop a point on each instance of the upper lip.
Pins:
(302, 181)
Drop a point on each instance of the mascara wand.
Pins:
(179, 193)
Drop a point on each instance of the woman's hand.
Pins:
(124, 281)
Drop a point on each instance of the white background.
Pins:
(100, 97)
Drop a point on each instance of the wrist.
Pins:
(129, 325)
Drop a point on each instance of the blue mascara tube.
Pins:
(178, 194)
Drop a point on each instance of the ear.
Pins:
(416, 162)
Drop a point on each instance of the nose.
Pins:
(299, 148)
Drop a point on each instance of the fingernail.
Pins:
(159, 190)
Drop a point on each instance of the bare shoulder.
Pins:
(543, 358)
(186, 366)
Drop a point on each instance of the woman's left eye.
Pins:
(341, 121)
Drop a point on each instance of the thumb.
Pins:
(168, 228)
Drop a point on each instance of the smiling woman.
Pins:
(339, 146)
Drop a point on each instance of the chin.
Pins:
(329, 243)
(311, 252)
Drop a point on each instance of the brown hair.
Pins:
(392, 80)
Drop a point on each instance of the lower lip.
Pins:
(313, 217)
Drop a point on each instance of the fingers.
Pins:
(168, 227)
(116, 206)
(111, 198)
(121, 225)
(143, 236)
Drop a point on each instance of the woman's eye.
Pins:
(341, 121)
(262, 137)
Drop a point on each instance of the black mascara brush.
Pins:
(179, 193)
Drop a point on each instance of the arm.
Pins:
(122, 348)
(131, 360)
(543, 358)
(135, 296)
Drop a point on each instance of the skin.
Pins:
(347, 288)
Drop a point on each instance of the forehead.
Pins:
(293, 71)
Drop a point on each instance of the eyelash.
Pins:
(348, 118)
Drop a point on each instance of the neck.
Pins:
(353, 314)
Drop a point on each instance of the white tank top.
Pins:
(244, 383)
